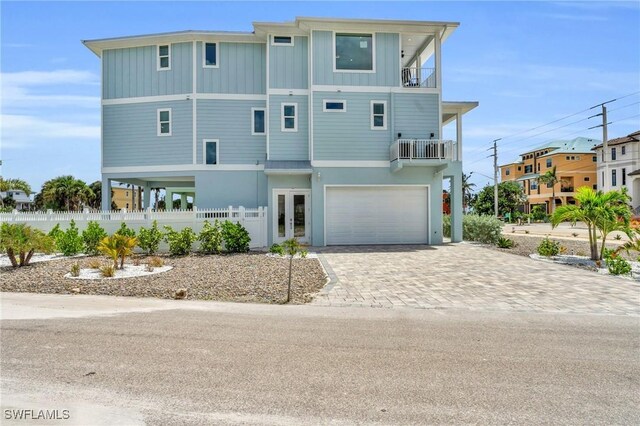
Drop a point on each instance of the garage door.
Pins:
(376, 215)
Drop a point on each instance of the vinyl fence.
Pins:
(254, 220)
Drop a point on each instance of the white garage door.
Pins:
(376, 215)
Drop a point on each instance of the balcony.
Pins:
(421, 152)
(418, 77)
(566, 189)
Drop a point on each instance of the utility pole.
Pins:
(495, 176)
(605, 146)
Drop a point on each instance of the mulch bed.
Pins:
(251, 277)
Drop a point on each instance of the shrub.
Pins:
(124, 230)
(117, 247)
(539, 213)
(446, 225)
(616, 264)
(56, 233)
(155, 262)
(291, 247)
(91, 237)
(70, 242)
(75, 270)
(149, 239)
(236, 237)
(483, 229)
(108, 271)
(548, 247)
(210, 238)
(20, 241)
(505, 243)
(277, 249)
(179, 242)
(94, 263)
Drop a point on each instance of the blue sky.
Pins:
(527, 63)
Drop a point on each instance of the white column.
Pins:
(437, 50)
(183, 201)
(168, 199)
(459, 134)
(106, 194)
(146, 195)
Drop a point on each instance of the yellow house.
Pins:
(127, 198)
(575, 164)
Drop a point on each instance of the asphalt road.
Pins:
(219, 363)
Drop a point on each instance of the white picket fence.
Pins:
(254, 220)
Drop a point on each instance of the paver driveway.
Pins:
(469, 277)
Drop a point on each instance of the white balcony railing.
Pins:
(418, 77)
(423, 149)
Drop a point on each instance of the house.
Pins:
(619, 167)
(575, 166)
(335, 125)
(129, 198)
(21, 198)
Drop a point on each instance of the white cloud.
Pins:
(19, 97)
(22, 131)
(48, 78)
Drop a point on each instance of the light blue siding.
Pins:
(416, 115)
(230, 122)
(241, 69)
(219, 189)
(387, 62)
(131, 135)
(132, 72)
(348, 135)
(288, 65)
(288, 145)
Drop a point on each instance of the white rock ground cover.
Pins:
(586, 263)
(38, 257)
(129, 271)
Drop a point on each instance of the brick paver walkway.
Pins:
(468, 277)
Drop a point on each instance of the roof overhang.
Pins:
(288, 167)
(451, 108)
(528, 177)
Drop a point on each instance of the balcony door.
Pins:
(291, 215)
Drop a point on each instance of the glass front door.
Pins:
(292, 213)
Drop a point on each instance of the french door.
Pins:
(292, 215)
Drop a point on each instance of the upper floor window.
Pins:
(378, 115)
(534, 184)
(210, 55)
(614, 180)
(507, 172)
(258, 121)
(282, 41)
(528, 168)
(289, 121)
(623, 172)
(164, 122)
(623, 150)
(353, 52)
(613, 154)
(548, 162)
(587, 178)
(210, 153)
(519, 168)
(164, 57)
(334, 106)
(595, 158)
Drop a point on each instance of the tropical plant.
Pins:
(117, 247)
(96, 201)
(108, 271)
(66, 193)
(277, 249)
(616, 265)
(126, 231)
(56, 233)
(467, 190)
(19, 184)
(504, 243)
(179, 242)
(550, 178)
(149, 239)
(92, 237)
(510, 197)
(70, 242)
(538, 212)
(155, 262)
(548, 247)
(292, 247)
(602, 212)
(75, 270)
(20, 242)
(210, 238)
(236, 237)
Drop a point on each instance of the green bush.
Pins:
(56, 233)
(548, 247)
(20, 241)
(277, 249)
(149, 239)
(446, 225)
(483, 229)
(210, 238)
(179, 242)
(616, 265)
(91, 237)
(505, 243)
(125, 231)
(70, 242)
(539, 213)
(236, 237)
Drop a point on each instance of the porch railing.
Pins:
(418, 77)
(423, 149)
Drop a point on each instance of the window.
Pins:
(602, 155)
(126, 194)
(519, 168)
(587, 178)
(567, 158)
(507, 173)
(623, 150)
(533, 184)
(210, 55)
(595, 187)
(127, 206)
(164, 57)
(624, 176)
(353, 52)
(378, 115)
(210, 152)
(549, 185)
(289, 121)
(282, 41)
(614, 180)
(528, 169)
(548, 162)
(164, 122)
(257, 121)
(613, 154)
(334, 106)
(595, 159)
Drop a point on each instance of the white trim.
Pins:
(102, 65)
(185, 97)
(324, 202)
(273, 43)
(295, 116)
(232, 96)
(384, 115)
(182, 168)
(373, 52)
(349, 163)
(158, 68)
(373, 89)
(310, 99)
(204, 55)
(253, 123)
(289, 92)
(204, 151)
(194, 105)
(342, 101)
(267, 102)
(159, 127)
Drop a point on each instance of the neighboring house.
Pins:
(575, 165)
(127, 198)
(21, 198)
(620, 166)
(334, 124)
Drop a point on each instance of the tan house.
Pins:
(575, 164)
(127, 198)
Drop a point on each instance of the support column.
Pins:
(105, 203)
(146, 195)
(168, 199)
(455, 204)
(459, 135)
(183, 201)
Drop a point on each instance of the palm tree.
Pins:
(550, 178)
(7, 184)
(67, 192)
(601, 212)
(466, 190)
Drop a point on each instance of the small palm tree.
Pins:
(551, 178)
(291, 248)
(467, 188)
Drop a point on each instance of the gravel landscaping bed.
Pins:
(251, 277)
(525, 245)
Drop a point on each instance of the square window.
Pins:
(354, 52)
(210, 55)
(211, 152)
(258, 121)
(164, 57)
